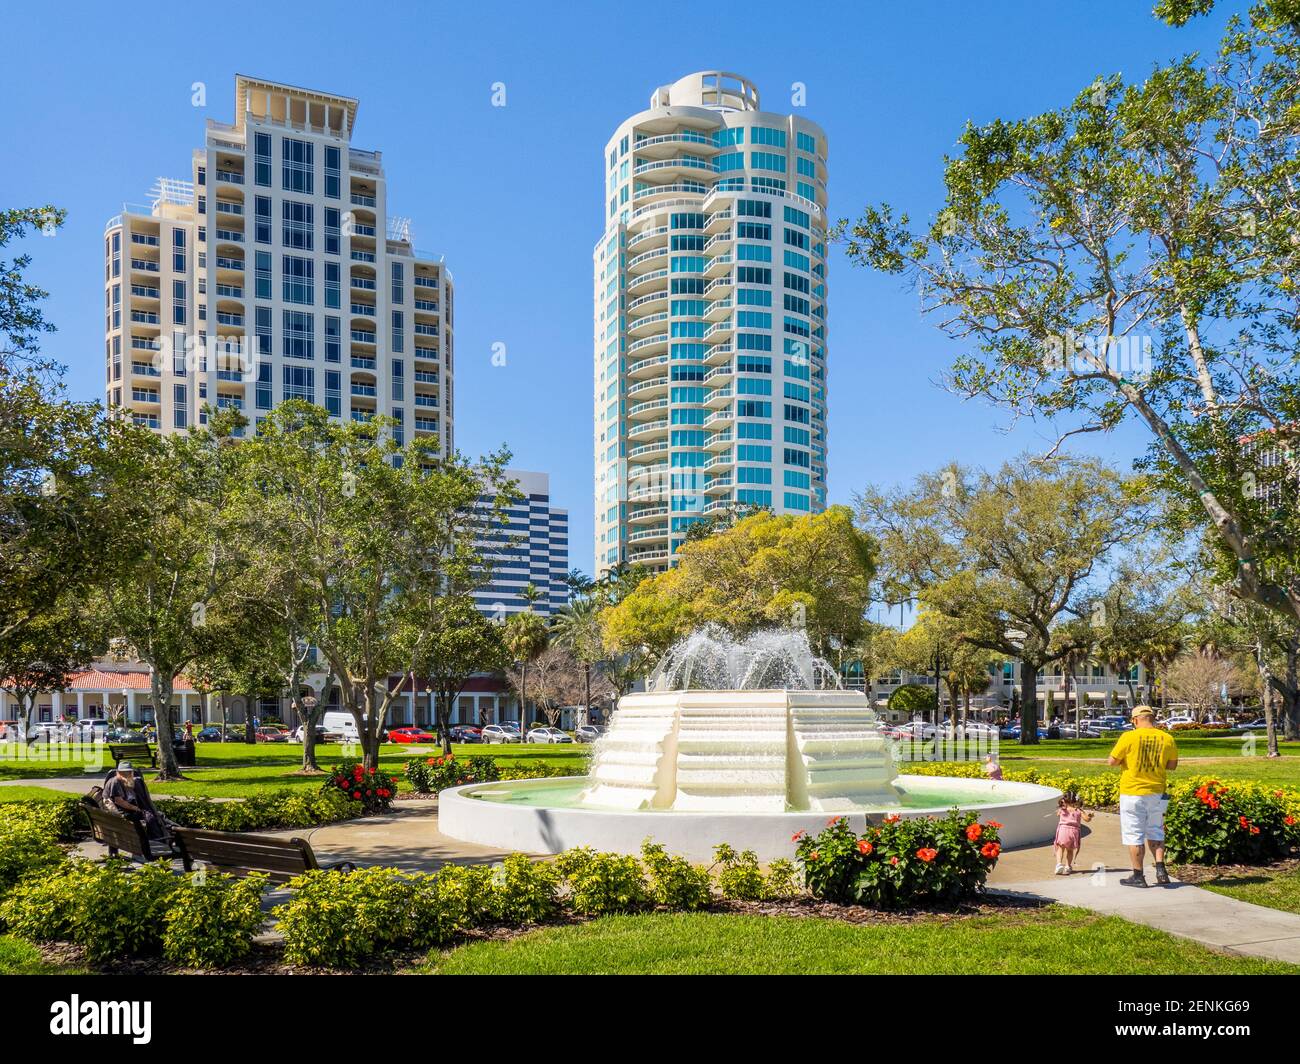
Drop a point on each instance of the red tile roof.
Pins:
(113, 682)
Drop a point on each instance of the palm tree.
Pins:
(577, 629)
(525, 638)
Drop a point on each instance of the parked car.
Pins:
(589, 733)
(272, 735)
(549, 735)
(411, 735)
(210, 734)
(323, 735)
(466, 733)
(1012, 731)
(499, 733)
(1259, 724)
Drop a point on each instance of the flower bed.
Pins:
(429, 775)
(1212, 823)
(372, 788)
(901, 862)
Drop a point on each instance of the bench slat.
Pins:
(281, 859)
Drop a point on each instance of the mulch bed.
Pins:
(1210, 873)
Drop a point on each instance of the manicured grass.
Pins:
(1046, 941)
(21, 958)
(1276, 890)
(33, 794)
(238, 769)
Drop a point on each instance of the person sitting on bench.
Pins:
(125, 792)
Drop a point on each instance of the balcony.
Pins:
(359, 200)
(144, 395)
(719, 417)
(365, 283)
(425, 330)
(717, 265)
(649, 344)
(718, 332)
(144, 264)
(646, 365)
(363, 309)
(423, 377)
(230, 177)
(425, 282)
(144, 291)
(718, 375)
(647, 557)
(144, 238)
(645, 280)
(228, 207)
(646, 301)
(362, 256)
(718, 397)
(646, 407)
(647, 449)
(230, 319)
(426, 424)
(718, 440)
(682, 188)
(639, 326)
(647, 428)
(144, 317)
(361, 336)
(360, 362)
(648, 534)
(716, 287)
(648, 238)
(430, 353)
(229, 236)
(645, 261)
(646, 513)
(426, 306)
(666, 142)
(718, 354)
(718, 309)
(230, 291)
(426, 400)
(719, 461)
(363, 389)
(651, 387)
(713, 485)
(145, 369)
(224, 263)
(719, 220)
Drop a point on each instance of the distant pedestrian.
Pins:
(1147, 754)
(991, 767)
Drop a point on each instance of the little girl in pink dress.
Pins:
(1070, 815)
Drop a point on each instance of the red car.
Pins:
(411, 735)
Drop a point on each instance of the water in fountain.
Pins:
(710, 659)
(752, 724)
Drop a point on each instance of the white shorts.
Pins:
(1142, 818)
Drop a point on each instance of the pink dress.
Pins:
(1067, 831)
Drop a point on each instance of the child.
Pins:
(991, 768)
(1070, 814)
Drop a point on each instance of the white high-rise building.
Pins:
(527, 547)
(273, 273)
(710, 317)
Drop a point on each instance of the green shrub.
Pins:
(912, 698)
(1209, 822)
(1094, 791)
(428, 775)
(284, 808)
(342, 920)
(901, 862)
(109, 908)
(781, 879)
(675, 883)
(1200, 731)
(739, 876)
(61, 818)
(540, 770)
(602, 883)
(468, 896)
(373, 788)
(212, 919)
(527, 892)
(26, 849)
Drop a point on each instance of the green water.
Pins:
(542, 794)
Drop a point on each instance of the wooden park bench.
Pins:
(120, 834)
(239, 854)
(133, 752)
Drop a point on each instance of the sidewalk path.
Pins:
(1181, 909)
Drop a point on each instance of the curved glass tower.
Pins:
(710, 317)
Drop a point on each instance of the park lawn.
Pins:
(22, 958)
(227, 770)
(1267, 887)
(33, 794)
(1053, 940)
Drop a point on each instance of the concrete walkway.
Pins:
(408, 838)
(1214, 920)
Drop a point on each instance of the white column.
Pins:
(81, 705)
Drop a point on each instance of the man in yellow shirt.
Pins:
(1146, 754)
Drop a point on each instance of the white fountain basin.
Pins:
(544, 816)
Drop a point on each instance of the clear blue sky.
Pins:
(98, 105)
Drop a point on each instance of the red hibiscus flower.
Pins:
(356, 795)
(893, 860)
(864, 847)
(371, 771)
(1243, 821)
(797, 836)
(990, 850)
(1254, 830)
(893, 818)
(833, 821)
(927, 854)
(974, 831)
(814, 855)
(993, 824)
(1288, 821)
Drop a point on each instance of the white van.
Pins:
(341, 723)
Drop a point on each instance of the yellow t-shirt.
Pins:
(1145, 753)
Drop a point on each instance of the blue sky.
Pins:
(99, 105)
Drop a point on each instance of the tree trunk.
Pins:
(1291, 698)
(250, 729)
(586, 682)
(1028, 703)
(523, 700)
(162, 715)
(443, 715)
(221, 700)
(1266, 701)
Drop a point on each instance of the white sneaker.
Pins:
(1060, 870)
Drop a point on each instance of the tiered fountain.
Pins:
(744, 742)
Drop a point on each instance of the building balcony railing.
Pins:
(231, 177)
(363, 363)
(426, 424)
(363, 389)
(426, 400)
(430, 306)
(145, 369)
(425, 282)
(360, 336)
(144, 264)
(367, 283)
(424, 377)
(144, 317)
(144, 291)
(359, 200)
(224, 263)
(362, 256)
(364, 309)
(230, 236)
(144, 238)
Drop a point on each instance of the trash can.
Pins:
(184, 751)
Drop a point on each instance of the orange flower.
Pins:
(893, 860)
(814, 855)
(797, 836)
(893, 818)
(864, 847)
(990, 850)
(1243, 821)
(833, 821)
(974, 831)
(927, 854)
(993, 824)
(1288, 821)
